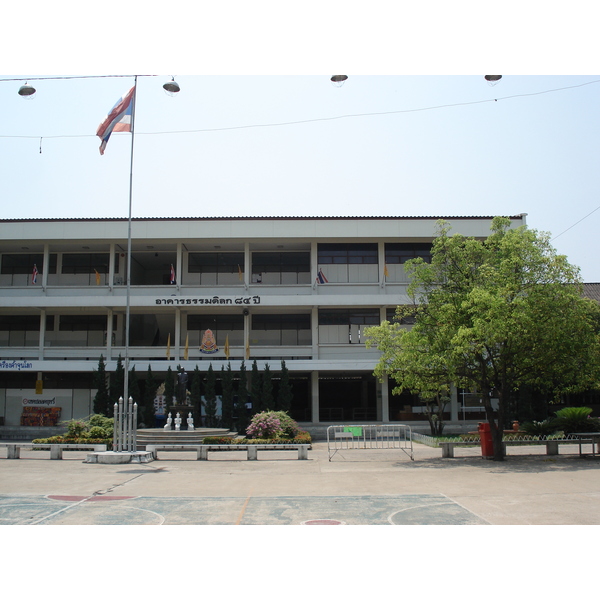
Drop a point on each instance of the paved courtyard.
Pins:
(357, 487)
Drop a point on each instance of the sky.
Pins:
(242, 141)
(258, 129)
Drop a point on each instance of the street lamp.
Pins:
(171, 87)
(338, 80)
(26, 91)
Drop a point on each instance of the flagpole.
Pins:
(128, 294)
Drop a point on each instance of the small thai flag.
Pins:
(172, 279)
(118, 119)
(34, 275)
(321, 278)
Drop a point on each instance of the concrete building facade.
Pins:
(301, 290)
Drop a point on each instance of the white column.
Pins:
(314, 380)
(42, 340)
(46, 266)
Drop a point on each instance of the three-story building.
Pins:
(300, 290)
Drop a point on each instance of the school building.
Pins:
(206, 291)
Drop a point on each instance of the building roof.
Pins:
(254, 218)
(592, 291)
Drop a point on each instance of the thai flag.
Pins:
(321, 278)
(172, 279)
(34, 275)
(118, 119)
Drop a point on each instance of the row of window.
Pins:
(225, 262)
(200, 322)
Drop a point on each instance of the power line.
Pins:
(321, 119)
(582, 219)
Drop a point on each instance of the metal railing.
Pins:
(369, 437)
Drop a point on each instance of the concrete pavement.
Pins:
(362, 487)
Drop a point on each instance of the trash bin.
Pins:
(485, 438)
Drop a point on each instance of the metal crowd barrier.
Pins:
(369, 437)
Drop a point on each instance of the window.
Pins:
(83, 323)
(398, 254)
(346, 254)
(78, 264)
(22, 264)
(345, 326)
(215, 262)
(349, 263)
(391, 316)
(281, 267)
(281, 330)
(20, 323)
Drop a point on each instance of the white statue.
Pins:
(190, 422)
(178, 422)
(169, 422)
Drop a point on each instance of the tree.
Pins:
(415, 363)
(102, 404)
(169, 389)
(497, 315)
(242, 398)
(268, 400)
(210, 397)
(256, 389)
(284, 394)
(227, 397)
(134, 391)
(147, 410)
(117, 383)
(196, 393)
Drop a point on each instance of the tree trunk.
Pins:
(495, 424)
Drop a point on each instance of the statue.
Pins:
(168, 423)
(178, 422)
(190, 422)
(182, 379)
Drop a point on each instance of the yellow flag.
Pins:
(240, 274)
(169, 347)
(227, 347)
(247, 349)
(97, 277)
(187, 347)
(385, 271)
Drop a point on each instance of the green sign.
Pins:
(355, 431)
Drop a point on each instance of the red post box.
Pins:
(485, 438)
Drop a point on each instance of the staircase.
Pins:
(184, 438)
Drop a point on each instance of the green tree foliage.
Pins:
(102, 403)
(242, 398)
(210, 397)
(495, 315)
(284, 394)
(256, 389)
(415, 363)
(268, 400)
(169, 389)
(147, 410)
(196, 393)
(117, 383)
(134, 387)
(227, 404)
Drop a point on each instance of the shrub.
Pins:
(213, 439)
(75, 427)
(576, 419)
(272, 424)
(264, 425)
(546, 427)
